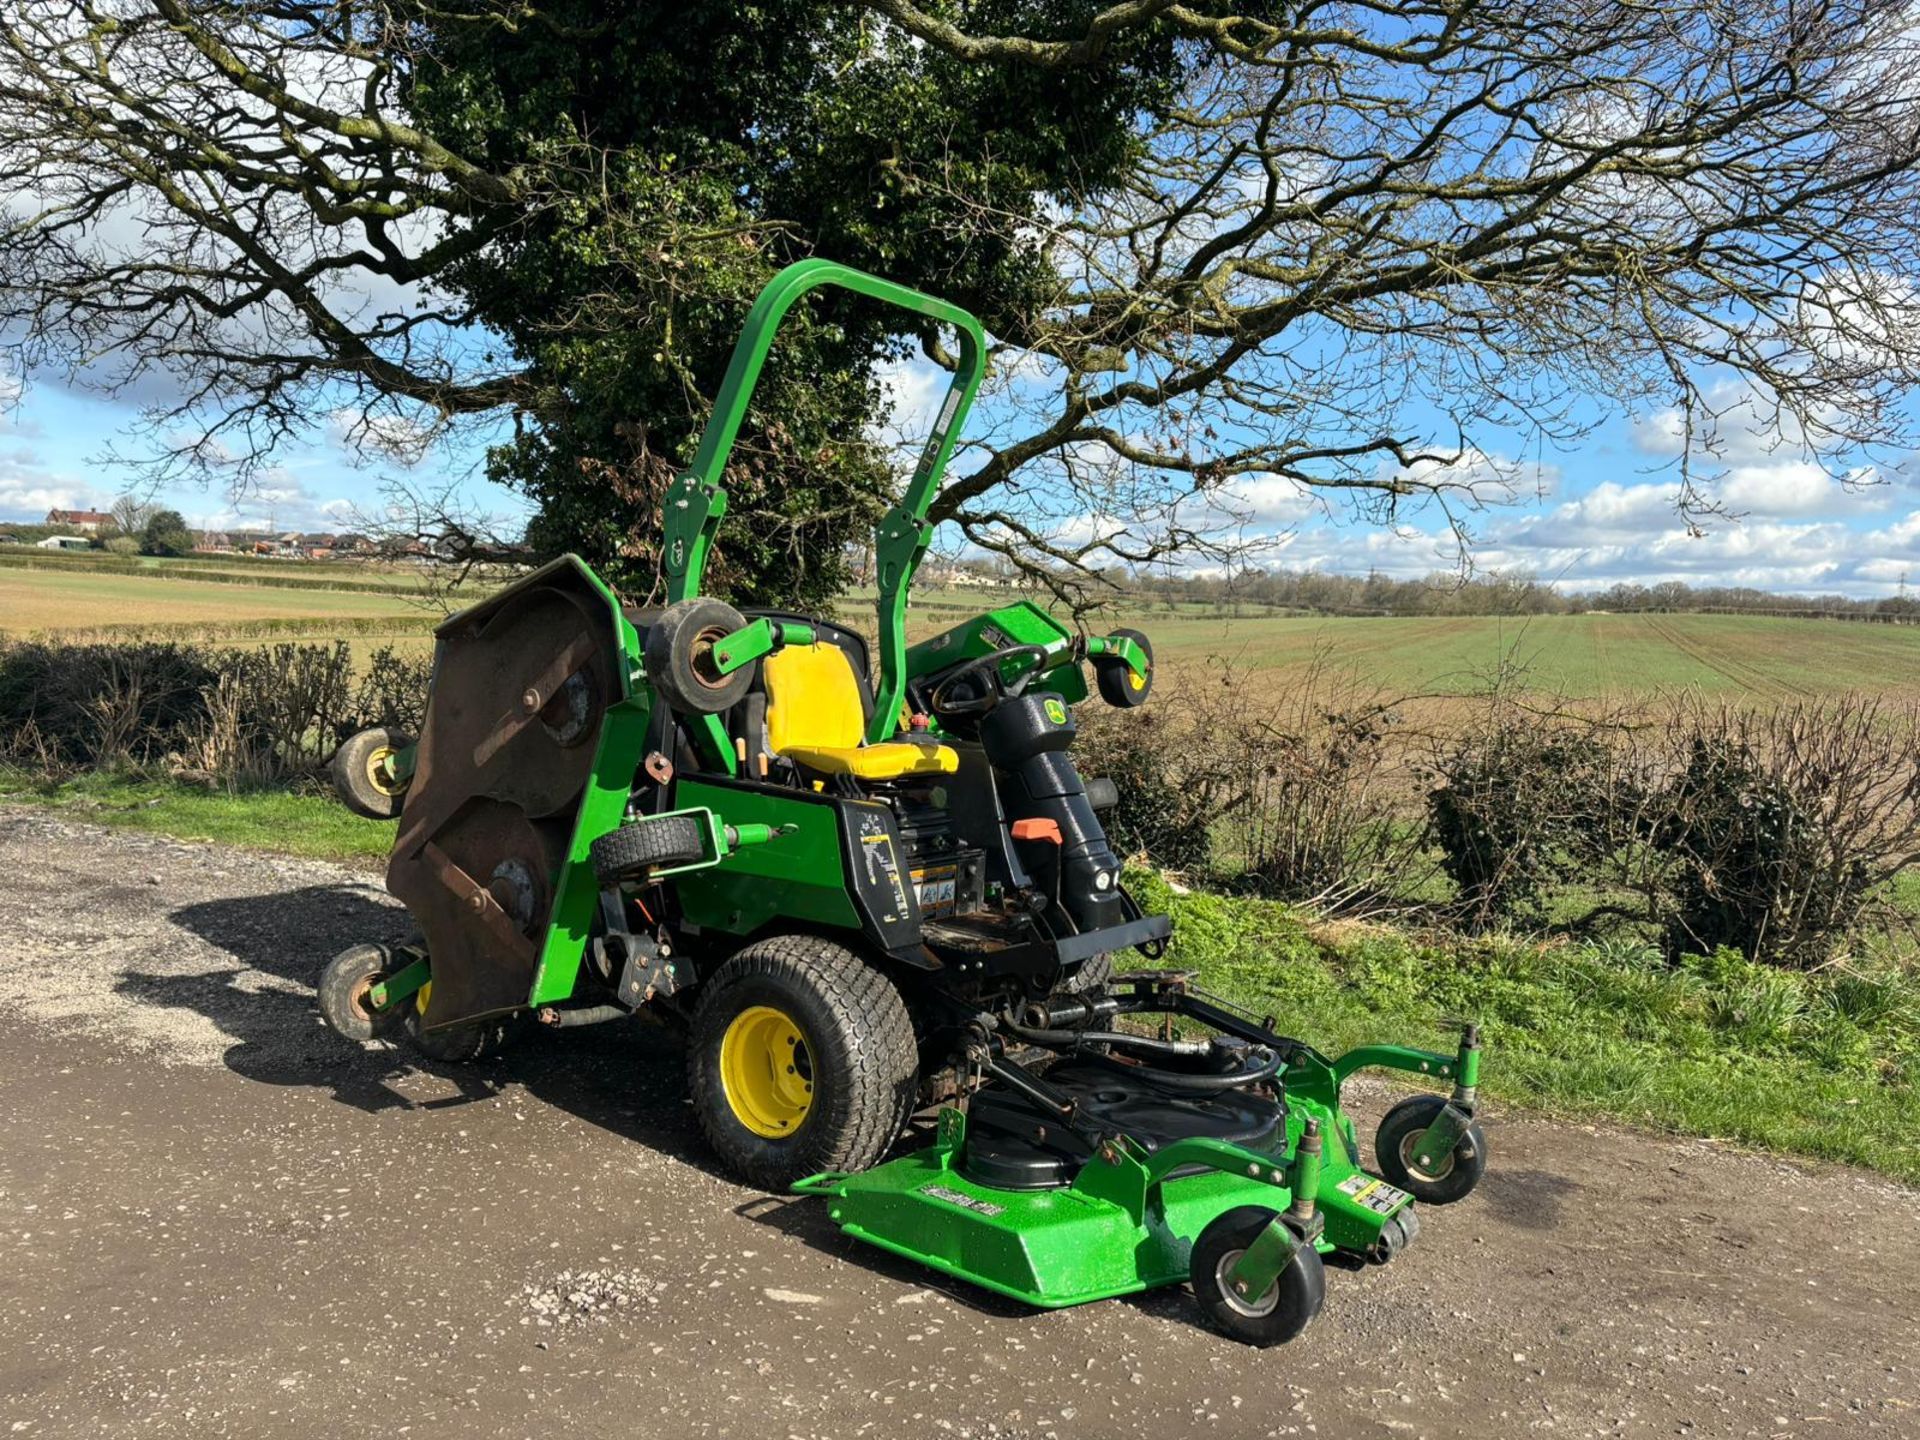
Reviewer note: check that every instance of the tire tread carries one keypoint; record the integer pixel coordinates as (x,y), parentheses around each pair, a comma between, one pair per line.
(872,1038)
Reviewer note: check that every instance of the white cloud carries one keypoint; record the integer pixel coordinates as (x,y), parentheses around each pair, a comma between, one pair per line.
(911,391)
(1798,487)
(1272,499)
(29,488)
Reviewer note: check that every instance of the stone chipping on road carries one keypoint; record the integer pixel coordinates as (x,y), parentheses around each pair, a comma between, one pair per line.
(216,1218)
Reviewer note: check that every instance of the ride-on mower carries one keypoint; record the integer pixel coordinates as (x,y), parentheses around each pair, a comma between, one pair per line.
(861,895)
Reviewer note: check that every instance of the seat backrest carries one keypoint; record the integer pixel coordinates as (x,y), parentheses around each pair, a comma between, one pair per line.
(813,698)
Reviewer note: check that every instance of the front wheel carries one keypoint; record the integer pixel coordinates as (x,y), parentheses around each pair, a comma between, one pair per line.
(801,1059)
(345,992)
(1289,1304)
(1450,1178)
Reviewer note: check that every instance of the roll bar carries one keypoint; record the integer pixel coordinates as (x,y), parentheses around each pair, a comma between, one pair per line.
(697,500)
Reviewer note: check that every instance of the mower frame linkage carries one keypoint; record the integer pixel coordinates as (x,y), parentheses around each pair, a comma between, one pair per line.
(1304,1069)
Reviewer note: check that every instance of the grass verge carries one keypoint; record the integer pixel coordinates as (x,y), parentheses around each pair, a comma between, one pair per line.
(317,826)
(1821,1065)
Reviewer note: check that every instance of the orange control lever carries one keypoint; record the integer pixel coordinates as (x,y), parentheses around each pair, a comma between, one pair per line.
(1038,828)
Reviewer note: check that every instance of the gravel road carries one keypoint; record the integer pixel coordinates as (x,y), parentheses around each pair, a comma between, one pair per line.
(218,1219)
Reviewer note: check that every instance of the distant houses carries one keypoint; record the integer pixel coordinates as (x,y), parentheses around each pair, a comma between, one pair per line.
(283,545)
(89,521)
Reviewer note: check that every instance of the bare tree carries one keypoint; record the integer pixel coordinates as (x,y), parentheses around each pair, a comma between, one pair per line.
(131,510)
(1361,249)
(1367,240)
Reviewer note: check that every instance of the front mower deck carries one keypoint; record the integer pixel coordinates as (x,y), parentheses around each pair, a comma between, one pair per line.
(1127,1223)
(1097,1179)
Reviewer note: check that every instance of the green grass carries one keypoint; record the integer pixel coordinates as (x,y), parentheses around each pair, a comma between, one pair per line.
(317,826)
(1826,1066)
(32,600)
(1584,656)
(1770,659)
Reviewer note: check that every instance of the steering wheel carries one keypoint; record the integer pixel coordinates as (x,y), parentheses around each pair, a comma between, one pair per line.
(997,688)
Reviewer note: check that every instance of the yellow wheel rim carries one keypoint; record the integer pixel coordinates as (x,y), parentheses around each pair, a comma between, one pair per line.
(377,770)
(766,1071)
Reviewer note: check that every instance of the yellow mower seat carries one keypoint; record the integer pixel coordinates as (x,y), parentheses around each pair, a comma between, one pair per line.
(816,720)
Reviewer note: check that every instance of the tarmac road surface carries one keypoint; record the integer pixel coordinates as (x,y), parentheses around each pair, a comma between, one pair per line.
(216,1218)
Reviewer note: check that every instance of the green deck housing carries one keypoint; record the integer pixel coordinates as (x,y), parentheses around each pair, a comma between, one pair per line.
(1126,1223)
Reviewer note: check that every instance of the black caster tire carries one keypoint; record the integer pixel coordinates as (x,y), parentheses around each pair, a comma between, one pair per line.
(343,992)
(1093,977)
(645,843)
(1119,686)
(1400,1132)
(679,652)
(801,1058)
(355,771)
(465,1044)
(1274,1318)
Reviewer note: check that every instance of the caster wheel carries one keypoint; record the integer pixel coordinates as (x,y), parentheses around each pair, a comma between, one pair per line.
(359,773)
(680,659)
(641,844)
(1456,1173)
(343,992)
(1118,684)
(1274,1318)
(465,1044)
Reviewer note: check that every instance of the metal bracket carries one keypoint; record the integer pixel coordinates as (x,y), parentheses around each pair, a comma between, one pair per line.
(1439,1138)
(401,985)
(646,973)
(1262,1262)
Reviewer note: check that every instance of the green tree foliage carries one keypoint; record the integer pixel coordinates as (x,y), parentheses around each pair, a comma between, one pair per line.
(782,127)
(166,533)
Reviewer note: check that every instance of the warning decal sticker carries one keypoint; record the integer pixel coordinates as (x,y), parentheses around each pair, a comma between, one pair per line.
(1375,1195)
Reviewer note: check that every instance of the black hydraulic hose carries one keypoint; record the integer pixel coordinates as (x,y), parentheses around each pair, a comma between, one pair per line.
(1076,1039)
(1202,1084)
(591,1015)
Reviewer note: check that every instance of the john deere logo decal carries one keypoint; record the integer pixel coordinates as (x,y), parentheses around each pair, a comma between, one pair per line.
(1056,712)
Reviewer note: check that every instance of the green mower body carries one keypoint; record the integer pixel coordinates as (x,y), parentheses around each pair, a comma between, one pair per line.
(868,880)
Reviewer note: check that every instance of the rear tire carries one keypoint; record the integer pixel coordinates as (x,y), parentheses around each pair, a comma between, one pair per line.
(801,1059)
(1093,977)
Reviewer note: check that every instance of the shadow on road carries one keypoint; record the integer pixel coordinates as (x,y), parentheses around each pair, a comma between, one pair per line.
(623,1077)
(1530,1199)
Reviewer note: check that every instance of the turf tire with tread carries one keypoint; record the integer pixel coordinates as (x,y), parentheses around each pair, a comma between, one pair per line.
(860,1041)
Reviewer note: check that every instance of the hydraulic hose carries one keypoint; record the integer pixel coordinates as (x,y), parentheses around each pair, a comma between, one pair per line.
(1077,1039)
(590,1015)
(1205,1084)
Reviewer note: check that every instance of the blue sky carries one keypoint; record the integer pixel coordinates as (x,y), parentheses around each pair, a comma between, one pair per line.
(1582,518)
